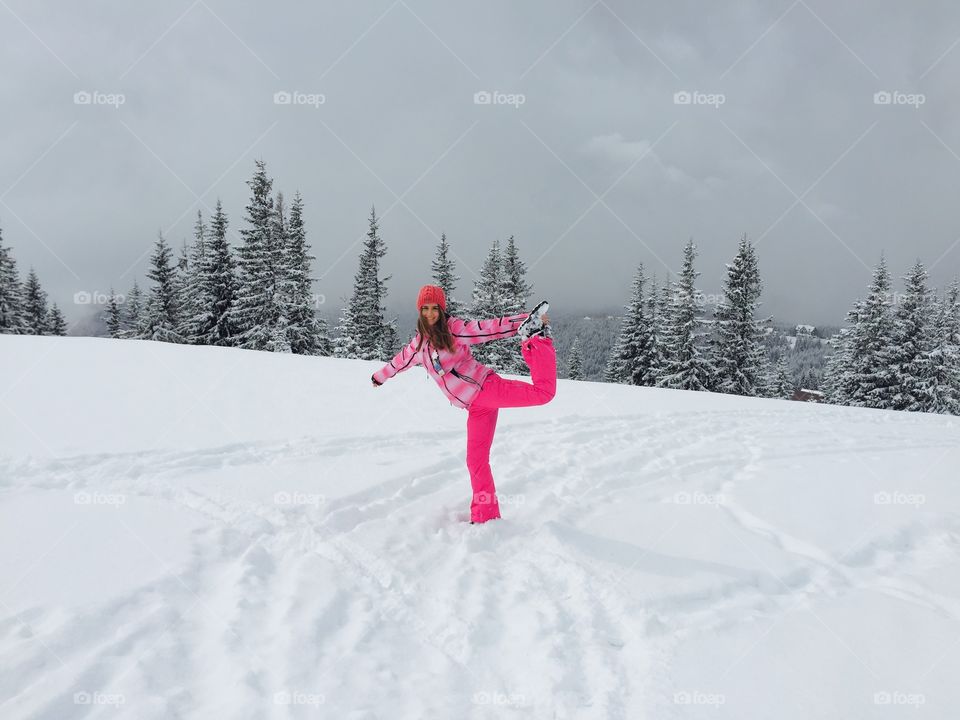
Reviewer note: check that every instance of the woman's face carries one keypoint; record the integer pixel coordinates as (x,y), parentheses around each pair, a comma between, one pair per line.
(430,313)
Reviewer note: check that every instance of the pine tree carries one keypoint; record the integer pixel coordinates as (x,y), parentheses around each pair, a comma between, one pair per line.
(858,373)
(630,360)
(307,332)
(55,321)
(944,356)
(657,305)
(489,301)
(113,316)
(12,321)
(220,279)
(255,312)
(783,386)
(688,365)
(346,344)
(908,355)
(161,321)
(133,313)
(196,316)
(363,332)
(444,275)
(575,361)
(516,294)
(283,291)
(35,305)
(738,352)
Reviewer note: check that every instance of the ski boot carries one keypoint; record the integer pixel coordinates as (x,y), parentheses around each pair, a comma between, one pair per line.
(534,324)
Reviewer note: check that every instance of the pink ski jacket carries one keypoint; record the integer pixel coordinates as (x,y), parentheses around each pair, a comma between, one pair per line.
(462,375)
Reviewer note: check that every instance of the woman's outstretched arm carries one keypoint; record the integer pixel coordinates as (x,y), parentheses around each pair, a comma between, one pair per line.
(473,332)
(406,358)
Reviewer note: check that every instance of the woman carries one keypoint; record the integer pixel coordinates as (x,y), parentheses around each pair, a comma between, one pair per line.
(442,346)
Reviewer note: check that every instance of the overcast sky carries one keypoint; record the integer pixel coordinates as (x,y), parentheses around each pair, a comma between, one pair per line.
(599,168)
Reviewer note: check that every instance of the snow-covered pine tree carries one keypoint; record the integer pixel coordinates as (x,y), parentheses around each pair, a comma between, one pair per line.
(908,354)
(860,372)
(687,360)
(630,358)
(657,304)
(307,331)
(951,340)
(488,301)
(363,333)
(161,322)
(444,275)
(279,320)
(12,320)
(575,361)
(133,313)
(944,357)
(113,316)
(837,377)
(345,344)
(195,302)
(35,305)
(255,313)
(783,385)
(516,296)
(55,321)
(738,352)
(220,277)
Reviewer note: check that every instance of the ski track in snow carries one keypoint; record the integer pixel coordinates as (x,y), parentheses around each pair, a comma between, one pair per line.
(405,566)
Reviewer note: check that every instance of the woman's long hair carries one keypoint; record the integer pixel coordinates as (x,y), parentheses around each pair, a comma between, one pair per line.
(437,334)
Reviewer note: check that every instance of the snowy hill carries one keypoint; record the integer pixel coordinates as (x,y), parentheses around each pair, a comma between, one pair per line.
(213,533)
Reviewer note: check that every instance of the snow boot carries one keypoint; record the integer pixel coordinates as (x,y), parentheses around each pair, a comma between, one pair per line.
(533,325)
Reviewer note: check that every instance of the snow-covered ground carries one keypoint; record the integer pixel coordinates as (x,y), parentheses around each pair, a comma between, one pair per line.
(213,533)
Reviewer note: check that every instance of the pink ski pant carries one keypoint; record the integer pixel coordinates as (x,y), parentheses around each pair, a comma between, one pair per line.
(541,358)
